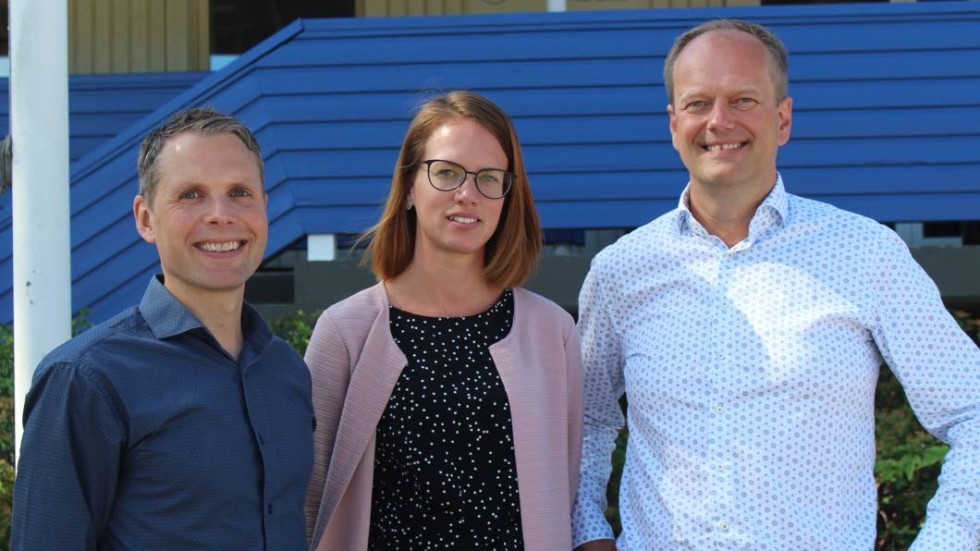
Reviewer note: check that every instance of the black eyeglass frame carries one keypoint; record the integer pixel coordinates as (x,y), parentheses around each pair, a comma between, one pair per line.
(508,177)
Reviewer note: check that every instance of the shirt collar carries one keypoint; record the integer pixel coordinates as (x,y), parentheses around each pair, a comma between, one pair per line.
(776,203)
(165,315)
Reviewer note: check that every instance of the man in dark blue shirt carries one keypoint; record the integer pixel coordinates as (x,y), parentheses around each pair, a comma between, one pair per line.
(182,423)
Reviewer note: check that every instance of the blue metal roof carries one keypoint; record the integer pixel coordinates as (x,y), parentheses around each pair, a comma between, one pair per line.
(102,106)
(887,104)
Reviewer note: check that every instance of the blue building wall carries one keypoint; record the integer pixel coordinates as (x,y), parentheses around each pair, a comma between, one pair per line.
(102,106)
(887,105)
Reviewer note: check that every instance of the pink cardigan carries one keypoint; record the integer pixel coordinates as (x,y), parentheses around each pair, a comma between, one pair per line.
(355,364)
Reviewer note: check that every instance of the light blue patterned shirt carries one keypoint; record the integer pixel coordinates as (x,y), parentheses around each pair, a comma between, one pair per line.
(750,374)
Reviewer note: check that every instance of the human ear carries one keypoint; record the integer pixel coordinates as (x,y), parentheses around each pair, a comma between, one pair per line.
(144,222)
(785,112)
(673,125)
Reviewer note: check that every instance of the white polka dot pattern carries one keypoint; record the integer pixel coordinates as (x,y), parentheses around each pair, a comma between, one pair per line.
(444,475)
(750,376)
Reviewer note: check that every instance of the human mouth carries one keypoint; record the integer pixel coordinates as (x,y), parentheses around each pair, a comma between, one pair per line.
(463,219)
(220,247)
(723,146)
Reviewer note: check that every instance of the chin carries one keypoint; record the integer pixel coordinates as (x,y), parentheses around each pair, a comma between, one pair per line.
(224,284)
(464,248)
(719,177)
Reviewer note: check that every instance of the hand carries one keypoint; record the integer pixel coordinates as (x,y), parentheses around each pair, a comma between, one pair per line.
(597,545)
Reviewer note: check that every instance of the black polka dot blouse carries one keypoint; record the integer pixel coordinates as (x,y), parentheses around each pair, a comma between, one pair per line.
(444,470)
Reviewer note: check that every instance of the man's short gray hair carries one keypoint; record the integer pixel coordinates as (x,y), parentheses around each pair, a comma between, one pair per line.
(777,51)
(205,120)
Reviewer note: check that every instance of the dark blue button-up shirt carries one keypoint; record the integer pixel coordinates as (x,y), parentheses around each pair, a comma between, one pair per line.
(143,434)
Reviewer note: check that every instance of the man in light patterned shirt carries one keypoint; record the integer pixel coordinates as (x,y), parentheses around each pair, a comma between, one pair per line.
(747,328)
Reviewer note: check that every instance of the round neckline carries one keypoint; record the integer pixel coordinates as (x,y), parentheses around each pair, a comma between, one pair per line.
(501,299)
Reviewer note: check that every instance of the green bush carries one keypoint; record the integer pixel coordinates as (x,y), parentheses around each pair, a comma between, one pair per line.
(907,467)
(296,329)
(6,433)
(909,458)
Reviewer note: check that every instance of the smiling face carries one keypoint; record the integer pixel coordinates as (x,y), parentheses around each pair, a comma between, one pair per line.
(462,221)
(207,215)
(726,120)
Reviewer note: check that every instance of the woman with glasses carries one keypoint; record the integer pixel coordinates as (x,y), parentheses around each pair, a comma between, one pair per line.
(448,399)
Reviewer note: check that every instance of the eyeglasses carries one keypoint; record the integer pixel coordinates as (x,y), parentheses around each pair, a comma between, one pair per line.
(492,183)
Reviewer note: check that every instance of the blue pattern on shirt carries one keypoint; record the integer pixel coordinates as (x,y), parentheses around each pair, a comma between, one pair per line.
(750,374)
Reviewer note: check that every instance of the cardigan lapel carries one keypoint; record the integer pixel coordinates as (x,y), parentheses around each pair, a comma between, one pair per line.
(373,378)
(537,405)
(520,392)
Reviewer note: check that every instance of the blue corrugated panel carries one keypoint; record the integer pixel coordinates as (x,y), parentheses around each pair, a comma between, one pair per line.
(102,106)
(887,104)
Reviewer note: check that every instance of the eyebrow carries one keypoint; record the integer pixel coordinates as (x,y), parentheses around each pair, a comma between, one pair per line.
(699,93)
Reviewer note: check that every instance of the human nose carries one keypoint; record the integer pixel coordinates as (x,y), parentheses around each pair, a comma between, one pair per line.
(220,211)
(467,192)
(720,116)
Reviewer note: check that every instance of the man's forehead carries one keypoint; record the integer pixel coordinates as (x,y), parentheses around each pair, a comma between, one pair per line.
(720,38)
(697,58)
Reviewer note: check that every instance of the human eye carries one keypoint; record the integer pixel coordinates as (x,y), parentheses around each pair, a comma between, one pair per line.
(446,170)
(240,192)
(490,176)
(696,106)
(745,102)
(190,194)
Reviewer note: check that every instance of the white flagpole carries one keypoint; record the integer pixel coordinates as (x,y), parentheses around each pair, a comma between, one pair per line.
(41,216)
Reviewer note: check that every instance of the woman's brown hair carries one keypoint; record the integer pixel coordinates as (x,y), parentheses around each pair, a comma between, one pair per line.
(512,253)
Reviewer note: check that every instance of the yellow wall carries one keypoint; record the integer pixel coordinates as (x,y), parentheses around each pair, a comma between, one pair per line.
(634,4)
(130,36)
(379,8)
(127,36)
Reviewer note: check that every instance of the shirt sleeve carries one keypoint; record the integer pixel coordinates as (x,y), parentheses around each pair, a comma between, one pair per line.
(602,360)
(69,461)
(939,368)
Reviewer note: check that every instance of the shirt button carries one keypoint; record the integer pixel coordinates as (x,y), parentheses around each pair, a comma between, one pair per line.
(724,527)
(718,409)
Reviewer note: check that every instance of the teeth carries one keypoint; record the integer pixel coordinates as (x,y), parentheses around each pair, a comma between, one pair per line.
(724,147)
(220,247)
(463,220)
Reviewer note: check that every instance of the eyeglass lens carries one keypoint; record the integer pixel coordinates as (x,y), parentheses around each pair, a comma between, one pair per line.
(447,176)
